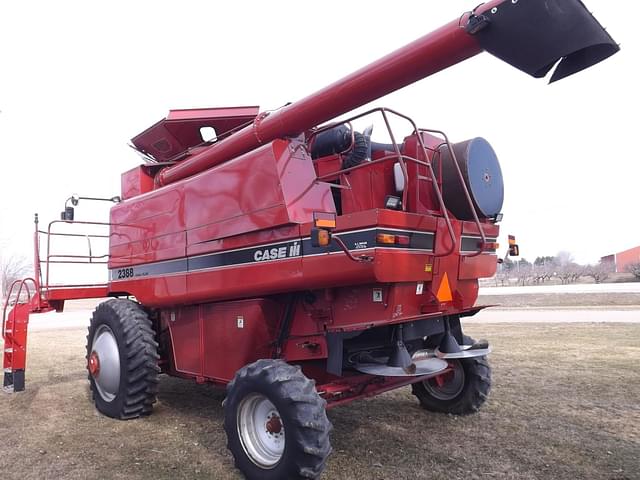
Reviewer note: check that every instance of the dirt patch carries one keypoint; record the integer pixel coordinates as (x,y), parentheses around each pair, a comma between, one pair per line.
(564,406)
(554,300)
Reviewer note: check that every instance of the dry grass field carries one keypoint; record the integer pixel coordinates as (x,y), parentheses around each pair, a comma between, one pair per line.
(565,405)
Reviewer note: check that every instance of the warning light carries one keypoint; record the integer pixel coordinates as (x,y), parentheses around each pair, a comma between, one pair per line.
(324,220)
(385,238)
(320,237)
(403,240)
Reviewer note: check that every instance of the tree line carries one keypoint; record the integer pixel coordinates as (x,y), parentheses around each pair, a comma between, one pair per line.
(561,266)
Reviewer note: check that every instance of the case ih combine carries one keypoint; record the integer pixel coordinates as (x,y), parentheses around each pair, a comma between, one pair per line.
(298,263)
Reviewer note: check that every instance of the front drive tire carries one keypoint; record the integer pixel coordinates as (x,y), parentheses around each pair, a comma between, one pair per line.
(122,359)
(276,423)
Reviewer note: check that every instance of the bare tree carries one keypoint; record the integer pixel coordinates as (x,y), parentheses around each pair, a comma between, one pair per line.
(543,272)
(524,272)
(599,272)
(634,268)
(569,273)
(12,269)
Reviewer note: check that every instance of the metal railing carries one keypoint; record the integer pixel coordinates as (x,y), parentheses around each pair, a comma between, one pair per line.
(10,300)
(436,180)
(50,258)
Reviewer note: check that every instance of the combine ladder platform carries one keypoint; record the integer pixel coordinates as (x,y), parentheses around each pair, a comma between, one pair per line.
(14,331)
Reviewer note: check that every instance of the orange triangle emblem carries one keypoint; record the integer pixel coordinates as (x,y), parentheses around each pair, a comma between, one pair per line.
(444,291)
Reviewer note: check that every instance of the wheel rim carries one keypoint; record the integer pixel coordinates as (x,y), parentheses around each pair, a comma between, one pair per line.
(448,385)
(261,430)
(104,363)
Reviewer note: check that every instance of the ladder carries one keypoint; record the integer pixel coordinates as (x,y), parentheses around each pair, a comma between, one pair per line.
(14,330)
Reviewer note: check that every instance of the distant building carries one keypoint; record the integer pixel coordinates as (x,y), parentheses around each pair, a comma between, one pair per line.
(623,259)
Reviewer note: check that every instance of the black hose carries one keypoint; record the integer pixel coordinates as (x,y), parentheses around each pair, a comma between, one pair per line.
(359,153)
(330,142)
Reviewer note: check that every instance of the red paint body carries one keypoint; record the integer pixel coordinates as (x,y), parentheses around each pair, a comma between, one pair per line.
(205,215)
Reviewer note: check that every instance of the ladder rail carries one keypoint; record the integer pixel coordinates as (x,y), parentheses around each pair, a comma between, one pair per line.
(23,283)
(467,195)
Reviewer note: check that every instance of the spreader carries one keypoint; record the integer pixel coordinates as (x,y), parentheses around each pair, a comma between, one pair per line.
(288,257)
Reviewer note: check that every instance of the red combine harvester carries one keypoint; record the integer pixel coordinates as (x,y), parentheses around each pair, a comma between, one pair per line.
(299,263)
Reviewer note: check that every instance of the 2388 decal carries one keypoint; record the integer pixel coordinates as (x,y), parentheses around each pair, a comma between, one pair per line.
(125,273)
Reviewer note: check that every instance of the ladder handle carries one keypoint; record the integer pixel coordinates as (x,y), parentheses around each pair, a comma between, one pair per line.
(23,283)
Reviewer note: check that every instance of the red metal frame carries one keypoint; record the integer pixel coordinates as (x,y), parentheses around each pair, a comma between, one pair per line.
(356,387)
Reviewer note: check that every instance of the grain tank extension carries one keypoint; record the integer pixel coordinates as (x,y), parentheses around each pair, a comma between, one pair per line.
(296,262)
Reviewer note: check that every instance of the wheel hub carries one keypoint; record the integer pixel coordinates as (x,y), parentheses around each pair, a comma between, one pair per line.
(94,364)
(274,424)
(448,385)
(261,431)
(104,363)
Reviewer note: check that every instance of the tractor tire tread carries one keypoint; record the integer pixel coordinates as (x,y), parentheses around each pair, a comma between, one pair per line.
(301,407)
(139,385)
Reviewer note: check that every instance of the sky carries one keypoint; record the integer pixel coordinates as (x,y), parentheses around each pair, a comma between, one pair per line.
(78,79)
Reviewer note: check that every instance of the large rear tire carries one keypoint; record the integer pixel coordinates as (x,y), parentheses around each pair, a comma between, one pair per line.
(122,359)
(461,391)
(276,423)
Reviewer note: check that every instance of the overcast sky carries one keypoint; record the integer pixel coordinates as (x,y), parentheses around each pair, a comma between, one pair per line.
(79,79)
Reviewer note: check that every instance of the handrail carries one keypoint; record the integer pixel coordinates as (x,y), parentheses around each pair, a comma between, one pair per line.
(70,258)
(454,160)
(436,187)
(401,160)
(436,180)
(23,283)
(53,234)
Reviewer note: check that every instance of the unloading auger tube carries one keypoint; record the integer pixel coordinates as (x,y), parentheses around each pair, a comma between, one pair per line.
(531,35)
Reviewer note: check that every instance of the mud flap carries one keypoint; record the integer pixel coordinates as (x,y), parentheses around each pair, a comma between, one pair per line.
(534,35)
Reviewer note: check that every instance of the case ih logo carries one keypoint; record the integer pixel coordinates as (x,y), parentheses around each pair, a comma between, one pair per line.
(277,252)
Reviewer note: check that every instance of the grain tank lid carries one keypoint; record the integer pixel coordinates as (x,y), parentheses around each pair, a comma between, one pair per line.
(183,129)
